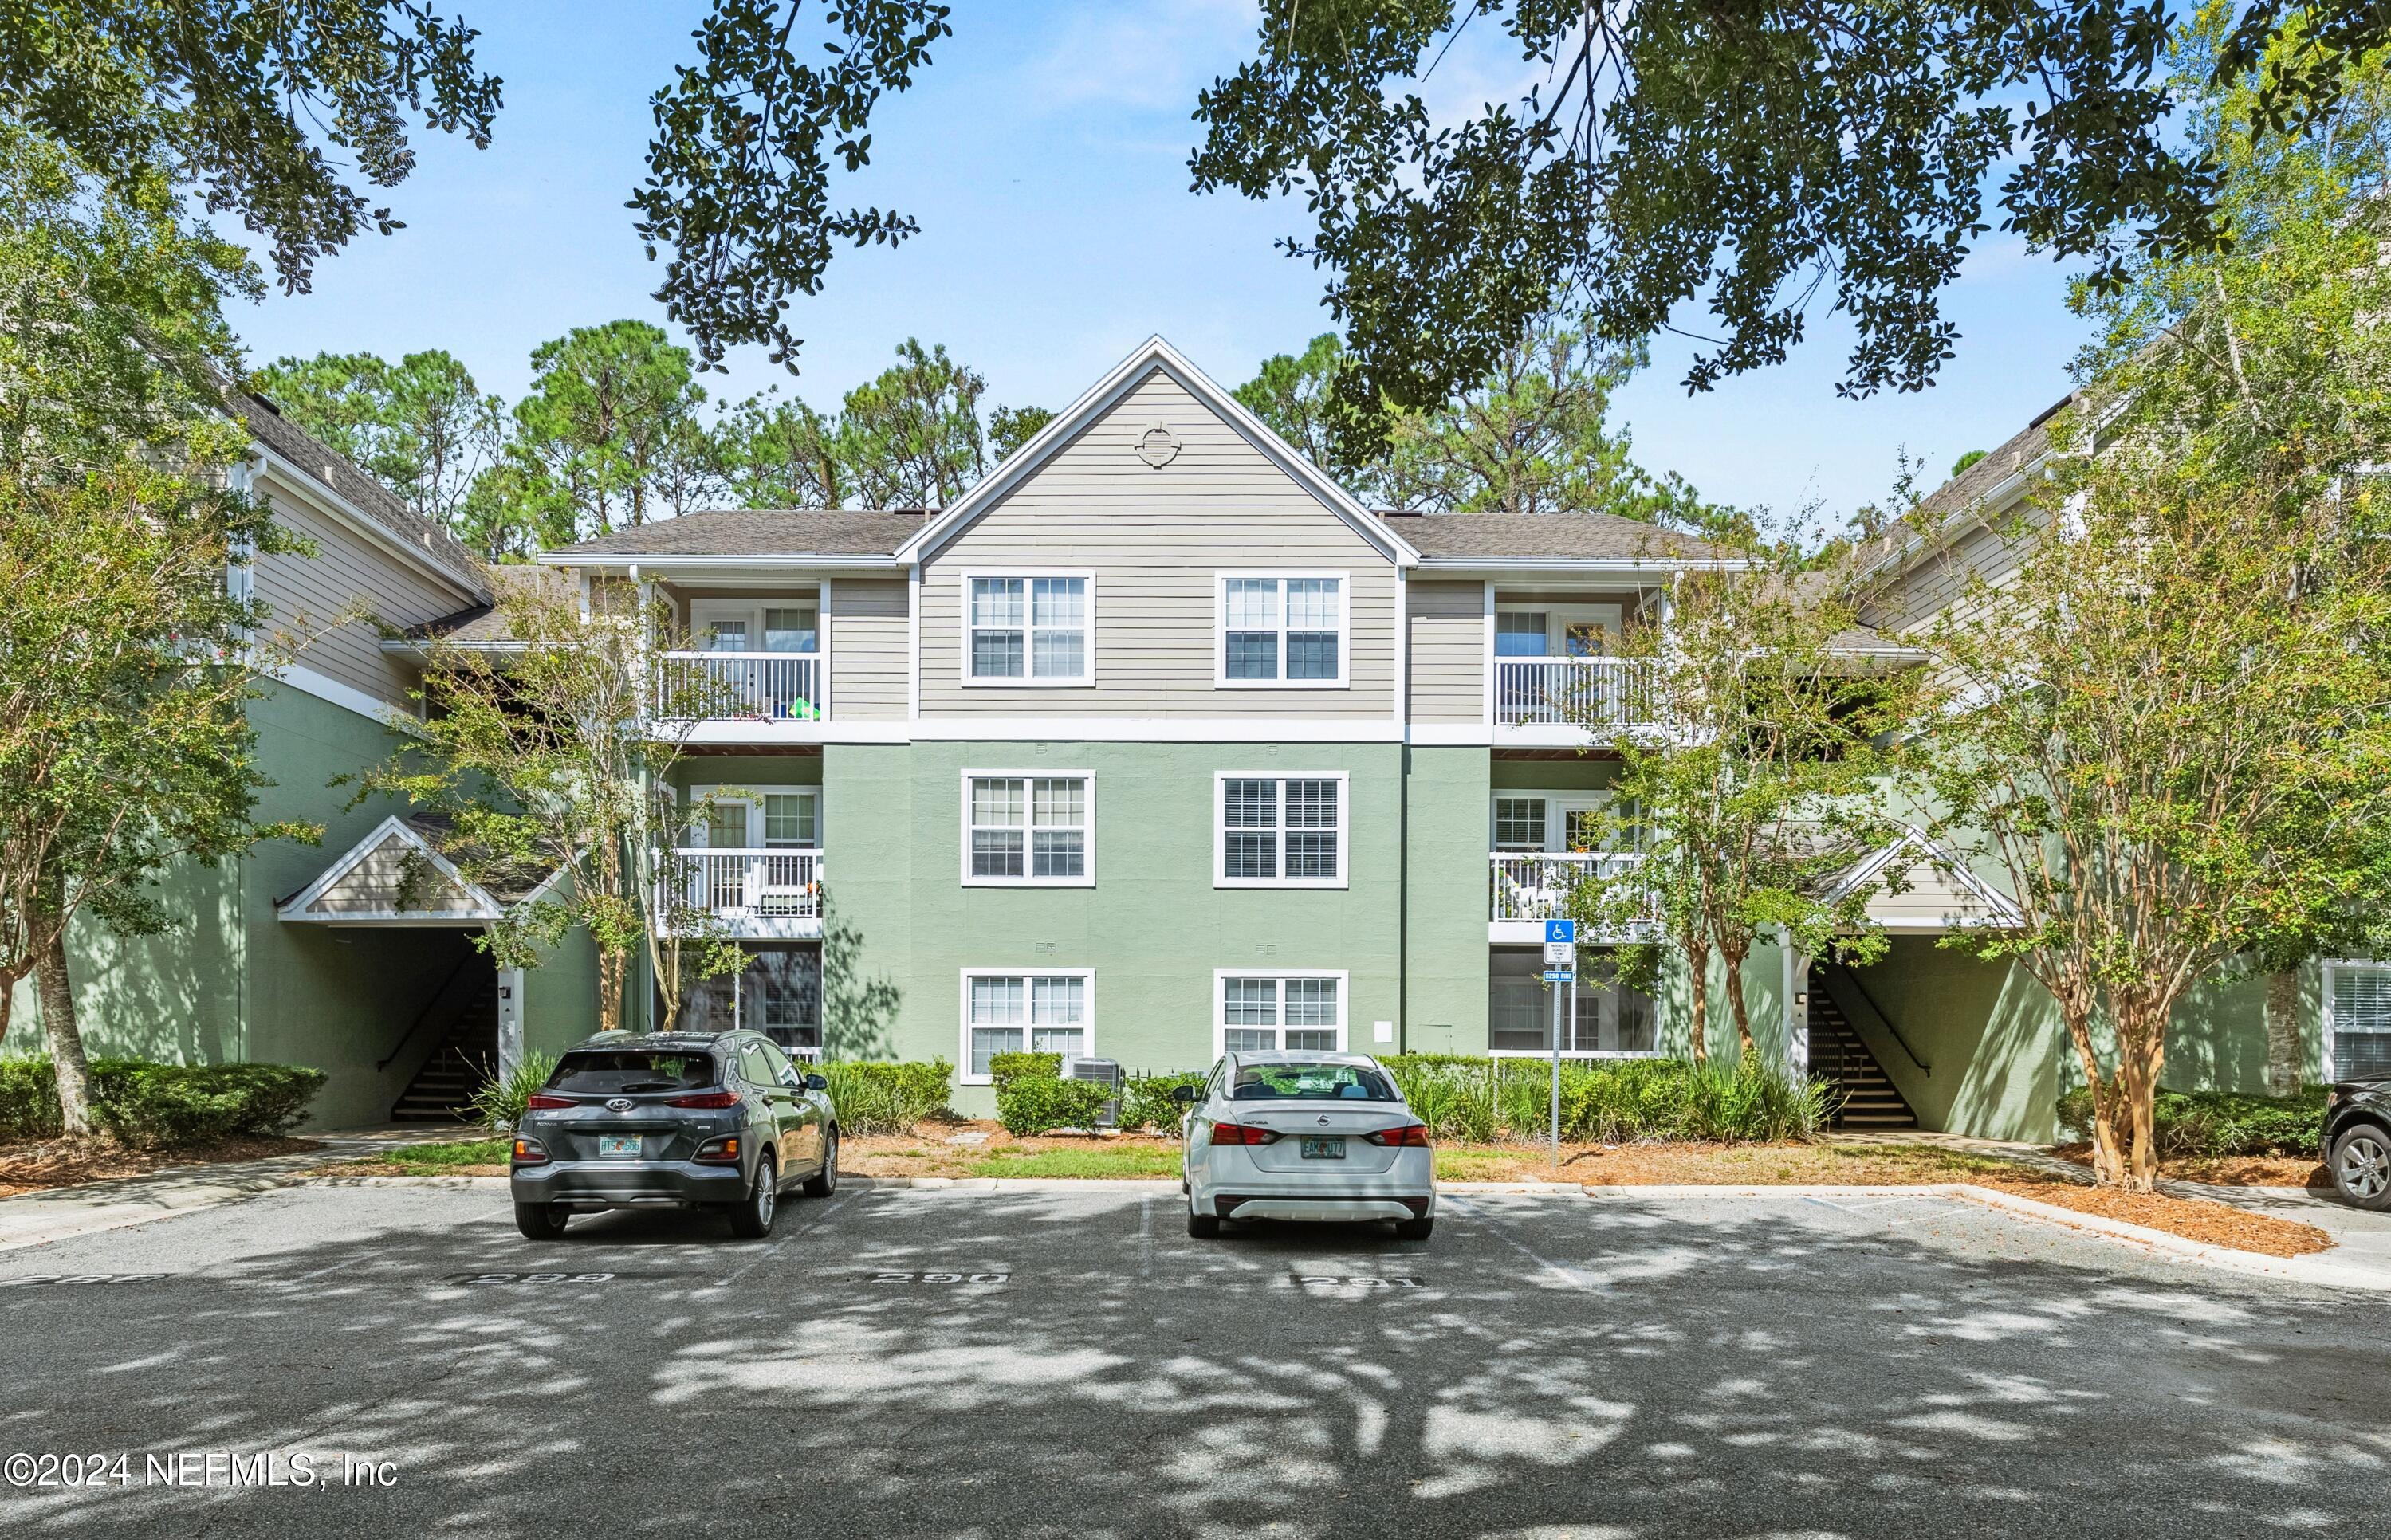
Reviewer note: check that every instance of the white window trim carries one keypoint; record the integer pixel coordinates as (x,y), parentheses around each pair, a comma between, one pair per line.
(754,800)
(751,609)
(962,1011)
(1221,978)
(1087,675)
(2328,1070)
(1558,806)
(1221,680)
(1221,877)
(1087,804)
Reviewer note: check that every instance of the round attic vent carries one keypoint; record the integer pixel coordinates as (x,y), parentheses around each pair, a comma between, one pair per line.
(1156,448)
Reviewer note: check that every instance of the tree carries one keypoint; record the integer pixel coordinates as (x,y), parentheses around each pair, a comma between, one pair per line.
(1295,394)
(1010,427)
(610,434)
(273,113)
(2172,733)
(912,435)
(558,754)
(420,425)
(1757,767)
(1750,158)
(783,454)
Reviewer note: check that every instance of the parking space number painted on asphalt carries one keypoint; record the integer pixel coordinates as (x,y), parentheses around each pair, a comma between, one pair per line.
(941,1277)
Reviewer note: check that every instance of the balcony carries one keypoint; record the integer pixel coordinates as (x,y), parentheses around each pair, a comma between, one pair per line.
(753,894)
(742,687)
(1530,887)
(1568,696)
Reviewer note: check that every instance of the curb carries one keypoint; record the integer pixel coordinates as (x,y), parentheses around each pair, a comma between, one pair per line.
(2311,1269)
(464,1181)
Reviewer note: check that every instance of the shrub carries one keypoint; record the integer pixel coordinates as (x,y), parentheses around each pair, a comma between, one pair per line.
(499,1103)
(1009,1067)
(874,1097)
(2210,1123)
(151,1105)
(1467,1100)
(1041,1104)
(1145,1101)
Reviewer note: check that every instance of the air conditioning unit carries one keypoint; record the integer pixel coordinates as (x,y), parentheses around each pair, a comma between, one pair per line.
(1104,1072)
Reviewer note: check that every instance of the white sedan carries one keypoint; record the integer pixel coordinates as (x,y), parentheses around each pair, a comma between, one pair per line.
(1309,1136)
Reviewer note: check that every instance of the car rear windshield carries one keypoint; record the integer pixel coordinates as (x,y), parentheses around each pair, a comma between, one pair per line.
(1311,1082)
(614,1071)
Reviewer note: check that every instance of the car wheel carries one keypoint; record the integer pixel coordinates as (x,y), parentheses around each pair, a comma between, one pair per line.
(2362,1167)
(540,1221)
(1415,1229)
(1203,1226)
(752,1218)
(825,1181)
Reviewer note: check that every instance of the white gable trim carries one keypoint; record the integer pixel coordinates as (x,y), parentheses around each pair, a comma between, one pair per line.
(486,908)
(1152,356)
(2001,911)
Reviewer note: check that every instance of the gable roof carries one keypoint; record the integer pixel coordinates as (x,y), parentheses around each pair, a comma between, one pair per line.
(300,452)
(781,532)
(1982,903)
(1529,537)
(1152,357)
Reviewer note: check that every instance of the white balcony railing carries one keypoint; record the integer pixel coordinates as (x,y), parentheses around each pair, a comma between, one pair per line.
(747,889)
(772,687)
(1573,692)
(1535,885)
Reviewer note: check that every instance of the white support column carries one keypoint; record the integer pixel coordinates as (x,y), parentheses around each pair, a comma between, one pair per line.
(511,1019)
(1797,1010)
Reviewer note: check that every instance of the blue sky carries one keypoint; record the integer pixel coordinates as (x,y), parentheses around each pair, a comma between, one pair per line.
(1044,153)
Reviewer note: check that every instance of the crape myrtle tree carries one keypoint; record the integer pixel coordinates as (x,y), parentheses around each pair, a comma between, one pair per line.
(1759,765)
(2172,731)
(556,755)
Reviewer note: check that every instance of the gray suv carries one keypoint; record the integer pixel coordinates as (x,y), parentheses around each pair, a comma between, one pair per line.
(679,1120)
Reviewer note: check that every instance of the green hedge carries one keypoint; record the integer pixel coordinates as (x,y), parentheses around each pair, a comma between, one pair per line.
(875,1096)
(1028,1104)
(154,1105)
(1145,1102)
(2200,1123)
(1467,1100)
(1011,1066)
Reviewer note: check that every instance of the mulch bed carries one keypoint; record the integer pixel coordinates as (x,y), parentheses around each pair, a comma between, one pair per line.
(930,1152)
(39,1165)
(2229,1171)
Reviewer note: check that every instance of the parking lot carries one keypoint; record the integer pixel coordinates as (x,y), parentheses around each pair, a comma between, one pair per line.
(902,1361)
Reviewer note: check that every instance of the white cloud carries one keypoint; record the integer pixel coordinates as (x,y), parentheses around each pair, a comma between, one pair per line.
(1153,55)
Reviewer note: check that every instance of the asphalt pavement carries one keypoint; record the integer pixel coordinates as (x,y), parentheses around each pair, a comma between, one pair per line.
(909,1361)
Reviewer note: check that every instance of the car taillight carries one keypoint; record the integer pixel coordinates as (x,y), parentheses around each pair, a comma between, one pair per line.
(1242,1134)
(723,1151)
(530,1152)
(1414,1136)
(714,1099)
(541,1100)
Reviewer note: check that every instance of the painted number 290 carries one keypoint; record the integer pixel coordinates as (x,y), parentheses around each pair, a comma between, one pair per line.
(941,1277)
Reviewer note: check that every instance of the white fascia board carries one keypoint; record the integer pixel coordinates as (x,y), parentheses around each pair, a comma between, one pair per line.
(1153,353)
(312,490)
(1640,566)
(729,563)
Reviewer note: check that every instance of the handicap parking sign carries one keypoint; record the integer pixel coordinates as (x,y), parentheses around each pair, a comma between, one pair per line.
(1560,933)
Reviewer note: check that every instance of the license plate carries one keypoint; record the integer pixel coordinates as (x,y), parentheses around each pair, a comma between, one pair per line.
(619,1145)
(1323,1149)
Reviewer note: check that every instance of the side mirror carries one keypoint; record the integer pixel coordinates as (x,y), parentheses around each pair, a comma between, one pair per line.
(817,1082)
(1184,1094)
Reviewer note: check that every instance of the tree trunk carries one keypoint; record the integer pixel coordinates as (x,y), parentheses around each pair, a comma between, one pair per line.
(66,1040)
(612,967)
(2286,1056)
(1739,1009)
(1699,967)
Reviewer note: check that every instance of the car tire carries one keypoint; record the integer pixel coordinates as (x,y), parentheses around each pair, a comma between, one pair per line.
(2362,1167)
(825,1181)
(540,1221)
(1415,1229)
(751,1220)
(1203,1226)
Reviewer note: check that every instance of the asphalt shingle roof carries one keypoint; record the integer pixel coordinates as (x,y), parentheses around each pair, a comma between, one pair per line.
(1561,537)
(486,623)
(761,532)
(324,465)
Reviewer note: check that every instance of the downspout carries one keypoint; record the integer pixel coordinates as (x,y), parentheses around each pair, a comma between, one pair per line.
(1404,895)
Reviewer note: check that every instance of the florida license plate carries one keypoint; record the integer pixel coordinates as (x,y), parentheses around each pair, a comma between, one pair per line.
(1323,1149)
(619,1145)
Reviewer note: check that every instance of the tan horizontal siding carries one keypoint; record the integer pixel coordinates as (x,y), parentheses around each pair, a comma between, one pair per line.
(1448,651)
(347,572)
(867,639)
(1932,896)
(1154,540)
(374,885)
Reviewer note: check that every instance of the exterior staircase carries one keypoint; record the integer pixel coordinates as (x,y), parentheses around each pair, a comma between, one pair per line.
(457,1067)
(1866,1097)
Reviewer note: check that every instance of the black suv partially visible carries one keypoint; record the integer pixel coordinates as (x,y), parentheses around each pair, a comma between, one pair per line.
(2358,1141)
(705,1121)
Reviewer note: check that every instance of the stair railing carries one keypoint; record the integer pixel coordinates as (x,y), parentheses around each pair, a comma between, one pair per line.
(1876,1016)
(441,996)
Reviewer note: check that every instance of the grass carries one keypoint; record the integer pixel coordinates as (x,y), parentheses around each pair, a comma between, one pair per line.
(453,1157)
(1101,1161)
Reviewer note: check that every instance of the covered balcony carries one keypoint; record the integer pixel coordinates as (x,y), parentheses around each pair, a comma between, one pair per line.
(752,669)
(1559,679)
(1530,887)
(752,894)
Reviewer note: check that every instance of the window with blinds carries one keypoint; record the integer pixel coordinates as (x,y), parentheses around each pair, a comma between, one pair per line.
(2358,1019)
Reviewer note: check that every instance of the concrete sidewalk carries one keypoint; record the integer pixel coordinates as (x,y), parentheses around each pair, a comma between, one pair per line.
(37,1218)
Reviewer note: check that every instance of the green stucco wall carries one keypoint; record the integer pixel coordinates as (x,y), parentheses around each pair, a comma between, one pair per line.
(1446,902)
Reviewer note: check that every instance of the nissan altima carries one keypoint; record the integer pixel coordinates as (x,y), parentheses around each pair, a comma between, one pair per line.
(1305,1136)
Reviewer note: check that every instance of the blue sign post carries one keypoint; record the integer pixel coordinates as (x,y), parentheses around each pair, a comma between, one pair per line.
(1560,967)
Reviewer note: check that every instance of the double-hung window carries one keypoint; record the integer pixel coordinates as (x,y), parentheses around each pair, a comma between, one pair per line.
(1030,628)
(1270,1013)
(2358,1020)
(1282,630)
(1030,828)
(1053,1011)
(1280,831)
